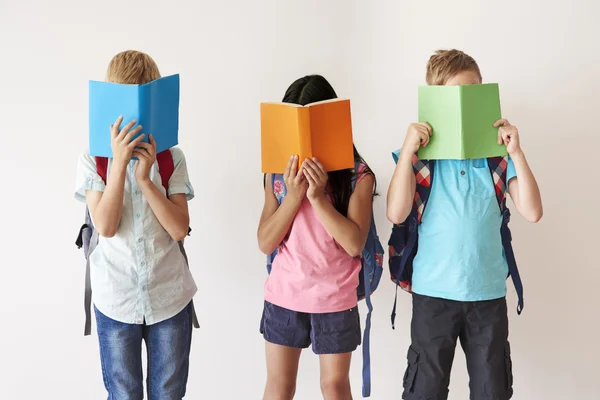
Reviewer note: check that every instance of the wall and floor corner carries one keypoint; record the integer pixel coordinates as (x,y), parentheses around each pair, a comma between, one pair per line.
(232,55)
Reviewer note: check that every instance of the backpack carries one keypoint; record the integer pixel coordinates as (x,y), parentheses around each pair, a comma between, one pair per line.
(403,243)
(88,236)
(369,277)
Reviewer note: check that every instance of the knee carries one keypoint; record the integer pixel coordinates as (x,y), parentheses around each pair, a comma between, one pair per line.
(280,389)
(336,388)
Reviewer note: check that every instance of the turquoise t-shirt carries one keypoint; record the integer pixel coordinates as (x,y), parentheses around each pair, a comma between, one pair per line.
(460,255)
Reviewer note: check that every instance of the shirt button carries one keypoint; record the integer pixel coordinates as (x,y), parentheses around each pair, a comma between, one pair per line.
(137,215)
(143,288)
(140,240)
(137,192)
(143,263)
(462,172)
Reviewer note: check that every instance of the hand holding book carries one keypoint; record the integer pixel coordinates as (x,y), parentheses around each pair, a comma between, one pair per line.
(122,141)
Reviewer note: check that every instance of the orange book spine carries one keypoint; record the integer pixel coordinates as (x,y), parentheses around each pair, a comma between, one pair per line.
(304,140)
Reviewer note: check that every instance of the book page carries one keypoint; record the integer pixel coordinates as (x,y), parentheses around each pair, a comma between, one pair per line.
(279,136)
(439,106)
(481,109)
(160,108)
(331,134)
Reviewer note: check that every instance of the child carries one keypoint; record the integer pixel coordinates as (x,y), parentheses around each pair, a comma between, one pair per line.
(320,230)
(460,270)
(141,282)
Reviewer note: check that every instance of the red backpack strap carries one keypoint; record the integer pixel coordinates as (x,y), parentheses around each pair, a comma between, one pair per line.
(423,170)
(166,166)
(102,168)
(498,167)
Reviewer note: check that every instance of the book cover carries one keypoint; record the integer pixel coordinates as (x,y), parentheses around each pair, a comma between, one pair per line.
(462,120)
(154,105)
(322,130)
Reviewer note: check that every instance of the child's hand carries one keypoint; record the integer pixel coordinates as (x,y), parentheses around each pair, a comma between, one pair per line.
(146,155)
(509,135)
(120,141)
(295,180)
(417,135)
(317,179)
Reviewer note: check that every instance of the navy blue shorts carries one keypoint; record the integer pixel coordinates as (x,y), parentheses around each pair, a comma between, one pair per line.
(329,333)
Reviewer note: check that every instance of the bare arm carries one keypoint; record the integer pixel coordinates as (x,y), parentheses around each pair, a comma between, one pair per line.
(401,192)
(402,189)
(106,207)
(171,212)
(524,190)
(276,220)
(351,232)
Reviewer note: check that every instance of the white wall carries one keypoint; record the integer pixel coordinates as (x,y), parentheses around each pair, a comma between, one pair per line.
(231,55)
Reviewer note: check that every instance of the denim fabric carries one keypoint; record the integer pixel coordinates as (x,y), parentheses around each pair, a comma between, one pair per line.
(329,333)
(168,347)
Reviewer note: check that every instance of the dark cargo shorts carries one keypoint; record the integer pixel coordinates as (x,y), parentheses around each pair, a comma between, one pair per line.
(329,333)
(482,328)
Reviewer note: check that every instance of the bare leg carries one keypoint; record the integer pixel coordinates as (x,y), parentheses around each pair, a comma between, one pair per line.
(335,380)
(282,370)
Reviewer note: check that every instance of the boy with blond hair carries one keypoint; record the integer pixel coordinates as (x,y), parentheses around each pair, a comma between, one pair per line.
(460,267)
(142,285)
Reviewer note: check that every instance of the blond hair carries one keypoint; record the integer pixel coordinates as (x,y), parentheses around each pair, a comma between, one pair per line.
(445,64)
(133,68)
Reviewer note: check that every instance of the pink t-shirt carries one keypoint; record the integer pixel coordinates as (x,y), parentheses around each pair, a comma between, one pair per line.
(312,273)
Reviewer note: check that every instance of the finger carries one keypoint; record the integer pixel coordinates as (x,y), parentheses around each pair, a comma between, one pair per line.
(114,128)
(500,135)
(140,155)
(311,180)
(288,168)
(300,177)
(136,142)
(310,172)
(127,128)
(424,138)
(152,141)
(132,133)
(146,146)
(501,122)
(294,167)
(320,168)
(427,127)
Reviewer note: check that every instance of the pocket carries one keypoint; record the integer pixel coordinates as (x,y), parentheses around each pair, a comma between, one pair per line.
(411,370)
(342,321)
(275,315)
(482,185)
(508,366)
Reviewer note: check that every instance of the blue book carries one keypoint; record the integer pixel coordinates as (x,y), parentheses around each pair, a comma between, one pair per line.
(154,105)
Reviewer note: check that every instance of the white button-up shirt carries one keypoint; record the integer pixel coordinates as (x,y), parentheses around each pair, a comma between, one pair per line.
(139,275)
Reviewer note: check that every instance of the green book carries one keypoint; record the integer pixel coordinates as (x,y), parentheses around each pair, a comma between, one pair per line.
(462,119)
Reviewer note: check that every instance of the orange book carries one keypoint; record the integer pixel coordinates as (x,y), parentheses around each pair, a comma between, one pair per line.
(322,130)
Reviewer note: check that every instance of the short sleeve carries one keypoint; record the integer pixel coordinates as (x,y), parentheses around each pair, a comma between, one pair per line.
(511,172)
(180,180)
(87,177)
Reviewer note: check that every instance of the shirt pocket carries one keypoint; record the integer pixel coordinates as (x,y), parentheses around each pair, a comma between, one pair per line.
(482,185)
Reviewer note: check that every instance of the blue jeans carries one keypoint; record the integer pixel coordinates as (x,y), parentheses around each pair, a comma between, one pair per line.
(168,346)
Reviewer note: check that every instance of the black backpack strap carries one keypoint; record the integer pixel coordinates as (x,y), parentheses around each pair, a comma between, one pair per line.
(87,295)
(498,167)
(194,316)
(424,171)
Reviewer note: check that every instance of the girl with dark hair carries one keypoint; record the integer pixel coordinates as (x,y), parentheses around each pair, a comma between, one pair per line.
(320,230)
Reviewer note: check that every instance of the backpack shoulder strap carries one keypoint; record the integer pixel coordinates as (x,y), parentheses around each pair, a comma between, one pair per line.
(278,187)
(102,167)
(423,170)
(166,167)
(498,167)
